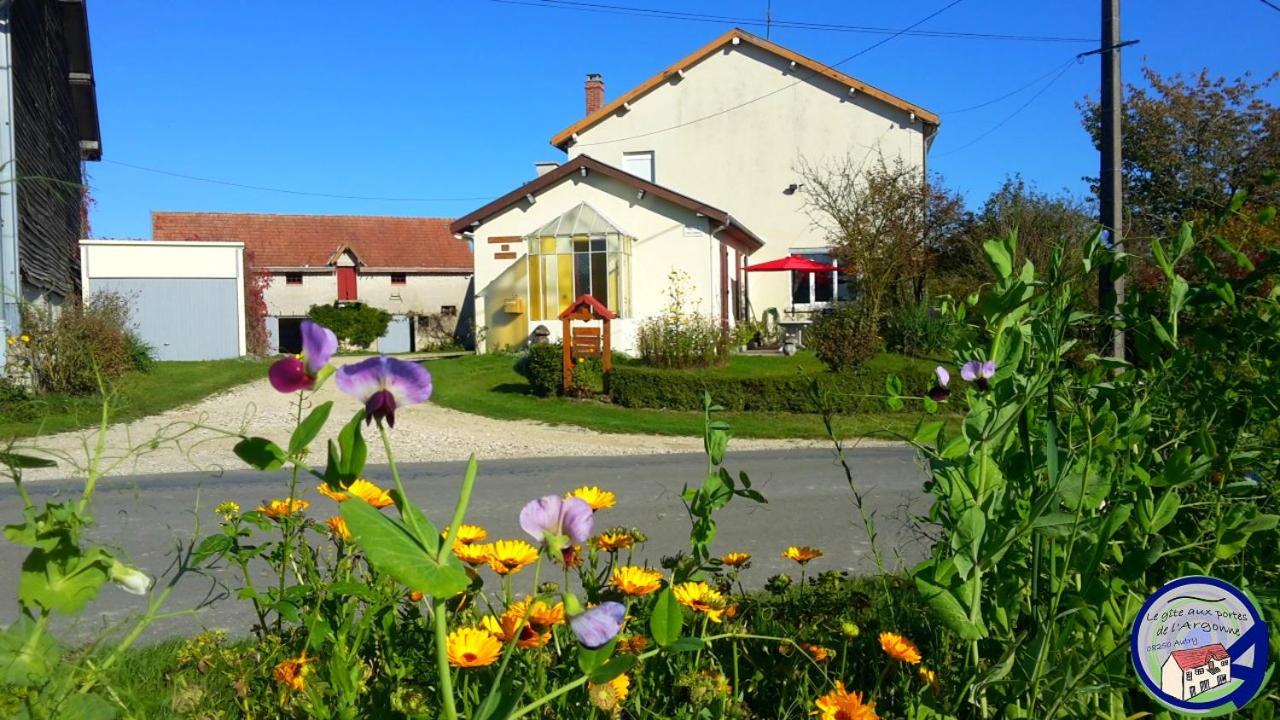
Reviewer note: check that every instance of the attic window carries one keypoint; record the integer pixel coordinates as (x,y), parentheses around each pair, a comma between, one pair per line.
(293,278)
(397,278)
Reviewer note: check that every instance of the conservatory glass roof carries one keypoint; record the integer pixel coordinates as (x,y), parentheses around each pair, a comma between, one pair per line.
(580,220)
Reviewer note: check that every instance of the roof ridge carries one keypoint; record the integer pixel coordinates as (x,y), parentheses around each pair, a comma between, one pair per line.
(155,213)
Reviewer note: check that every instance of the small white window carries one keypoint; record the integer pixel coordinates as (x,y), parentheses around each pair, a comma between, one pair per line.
(639,164)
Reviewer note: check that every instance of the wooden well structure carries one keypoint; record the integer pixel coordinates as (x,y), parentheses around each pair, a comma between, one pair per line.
(586,341)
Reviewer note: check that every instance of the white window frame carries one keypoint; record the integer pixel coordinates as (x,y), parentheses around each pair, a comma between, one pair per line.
(813,303)
(640,155)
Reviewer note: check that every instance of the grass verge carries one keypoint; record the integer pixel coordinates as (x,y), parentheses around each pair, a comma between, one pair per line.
(133,396)
(488,385)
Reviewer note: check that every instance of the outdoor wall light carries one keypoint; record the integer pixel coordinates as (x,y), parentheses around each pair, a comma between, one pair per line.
(792,188)
(640,195)
(530,198)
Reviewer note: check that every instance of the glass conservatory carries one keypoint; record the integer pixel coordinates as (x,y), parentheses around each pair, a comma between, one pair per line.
(578,253)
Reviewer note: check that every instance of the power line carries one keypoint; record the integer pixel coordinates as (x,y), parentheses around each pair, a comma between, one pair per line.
(1271,5)
(788,86)
(1009,94)
(1011,115)
(286,191)
(663,14)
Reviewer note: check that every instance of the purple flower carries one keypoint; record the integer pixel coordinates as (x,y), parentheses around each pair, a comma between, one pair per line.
(298,372)
(383,384)
(978,373)
(598,625)
(558,522)
(940,392)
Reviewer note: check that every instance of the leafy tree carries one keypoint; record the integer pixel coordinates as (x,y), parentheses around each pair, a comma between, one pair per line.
(1189,145)
(883,221)
(355,325)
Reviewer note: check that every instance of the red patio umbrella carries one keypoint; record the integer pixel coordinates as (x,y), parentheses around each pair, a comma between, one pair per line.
(792,262)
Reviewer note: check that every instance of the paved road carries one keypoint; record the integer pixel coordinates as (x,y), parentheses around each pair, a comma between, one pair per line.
(809,503)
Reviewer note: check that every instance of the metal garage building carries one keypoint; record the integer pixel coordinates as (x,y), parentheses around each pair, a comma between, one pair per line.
(186,299)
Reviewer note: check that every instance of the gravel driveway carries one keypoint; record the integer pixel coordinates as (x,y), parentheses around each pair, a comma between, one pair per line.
(180,439)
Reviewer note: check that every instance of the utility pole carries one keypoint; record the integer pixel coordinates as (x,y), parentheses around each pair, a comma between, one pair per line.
(1111,202)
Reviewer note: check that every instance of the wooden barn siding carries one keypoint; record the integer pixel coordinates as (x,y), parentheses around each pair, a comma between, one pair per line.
(50,199)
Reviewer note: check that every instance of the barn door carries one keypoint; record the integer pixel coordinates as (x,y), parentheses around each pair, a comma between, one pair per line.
(346,283)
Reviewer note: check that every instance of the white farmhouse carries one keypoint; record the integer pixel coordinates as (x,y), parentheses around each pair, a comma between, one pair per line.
(693,170)
(1187,673)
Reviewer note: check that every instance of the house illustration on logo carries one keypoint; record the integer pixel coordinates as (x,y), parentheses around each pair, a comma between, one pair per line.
(1187,673)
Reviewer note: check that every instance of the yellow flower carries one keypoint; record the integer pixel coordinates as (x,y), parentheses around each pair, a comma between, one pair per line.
(472,555)
(277,509)
(292,673)
(899,648)
(701,597)
(472,647)
(511,556)
(228,510)
(736,559)
(840,704)
(928,677)
(817,652)
(595,497)
(801,553)
(362,489)
(636,581)
(338,528)
(544,616)
(468,534)
(529,626)
(613,541)
(26,338)
(609,695)
(12,341)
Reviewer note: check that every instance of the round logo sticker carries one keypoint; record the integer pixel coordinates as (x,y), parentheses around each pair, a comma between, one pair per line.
(1200,646)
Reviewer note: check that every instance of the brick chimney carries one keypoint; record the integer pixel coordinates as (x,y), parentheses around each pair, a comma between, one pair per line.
(595,92)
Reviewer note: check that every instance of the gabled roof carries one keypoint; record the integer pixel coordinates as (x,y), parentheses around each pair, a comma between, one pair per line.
(562,138)
(1188,659)
(738,235)
(589,303)
(582,219)
(300,241)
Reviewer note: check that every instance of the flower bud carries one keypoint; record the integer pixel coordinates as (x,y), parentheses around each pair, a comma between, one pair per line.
(572,605)
(130,579)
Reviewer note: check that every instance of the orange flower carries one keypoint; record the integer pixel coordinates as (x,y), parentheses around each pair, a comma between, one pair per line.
(513,624)
(468,534)
(595,497)
(613,541)
(292,673)
(473,555)
(636,581)
(701,597)
(472,647)
(415,596)
(899,648)
(511,556)
(278,509)
(817,652)
(362,489)
(633,645)
(338,528)
(840,704)
(802,553)
(736,559)
(544,616)
(572,557)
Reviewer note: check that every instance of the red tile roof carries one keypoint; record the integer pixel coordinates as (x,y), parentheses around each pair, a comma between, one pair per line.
(1187,659)
(295,241)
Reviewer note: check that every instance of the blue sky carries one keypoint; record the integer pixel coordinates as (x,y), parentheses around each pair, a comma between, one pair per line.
(450,102)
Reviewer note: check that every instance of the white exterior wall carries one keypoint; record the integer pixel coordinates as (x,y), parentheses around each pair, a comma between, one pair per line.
(420,294)
(660,246)
(742,160)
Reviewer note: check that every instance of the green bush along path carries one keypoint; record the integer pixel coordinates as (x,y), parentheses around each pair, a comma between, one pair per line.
(489,385)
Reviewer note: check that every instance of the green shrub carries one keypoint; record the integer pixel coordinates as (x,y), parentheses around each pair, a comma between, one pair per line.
(543,367)
(918,330)
(588,377)
(642,387)
(845,337)
(141,354)
(355,325)
(69,349)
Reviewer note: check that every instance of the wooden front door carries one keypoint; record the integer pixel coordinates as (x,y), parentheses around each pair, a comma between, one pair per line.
(347,283)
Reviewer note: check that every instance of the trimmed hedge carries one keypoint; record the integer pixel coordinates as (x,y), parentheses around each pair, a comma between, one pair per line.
(643,387)
(543,367)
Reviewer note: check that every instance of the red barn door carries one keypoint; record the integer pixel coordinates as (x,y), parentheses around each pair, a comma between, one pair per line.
(346,283)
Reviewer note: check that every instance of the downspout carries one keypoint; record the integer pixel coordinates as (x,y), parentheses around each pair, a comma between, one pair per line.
(10,285)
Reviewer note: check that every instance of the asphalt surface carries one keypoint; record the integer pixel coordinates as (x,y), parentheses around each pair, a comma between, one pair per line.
(145,518)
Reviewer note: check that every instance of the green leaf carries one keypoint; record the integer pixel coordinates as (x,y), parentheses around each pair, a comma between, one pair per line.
(500,702)
(211,546)
(1181,469)
(612,669)
(22,662)
(589,660)
(969,529)
(353,449)
(260,453)
(999,256)
(927,432)
(958,447)
(687,644)
(23,462)
(309,428)
(392,549)
(667,619)
(430,533)
(63,579)
(948,609)
(1165,510)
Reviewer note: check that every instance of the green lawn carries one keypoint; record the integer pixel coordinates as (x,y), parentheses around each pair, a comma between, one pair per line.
(488,385)
(135,395)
